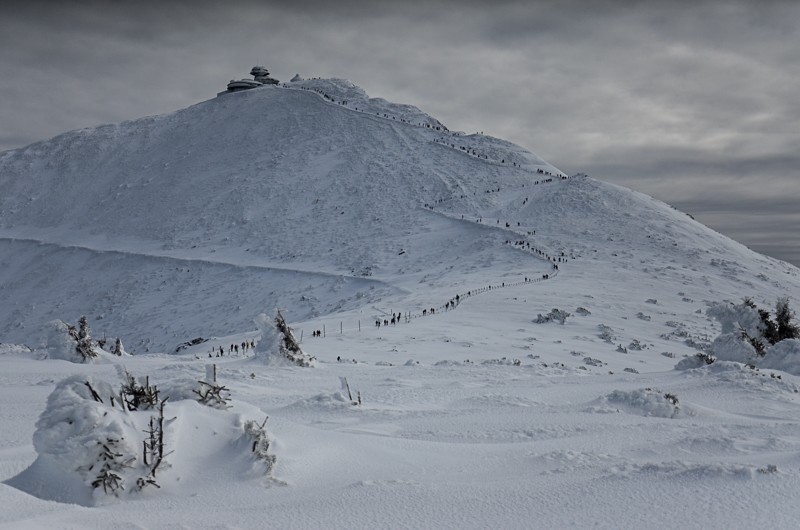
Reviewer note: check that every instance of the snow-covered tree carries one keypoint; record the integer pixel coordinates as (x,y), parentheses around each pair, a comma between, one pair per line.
(783,321)
(85,346)
(97,440)
(119,349)
(277,340)
(69,343)
(750,336)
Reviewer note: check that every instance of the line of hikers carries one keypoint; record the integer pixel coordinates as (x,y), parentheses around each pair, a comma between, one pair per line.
(244,347)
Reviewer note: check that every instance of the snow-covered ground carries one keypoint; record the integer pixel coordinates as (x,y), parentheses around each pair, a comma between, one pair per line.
(343,210)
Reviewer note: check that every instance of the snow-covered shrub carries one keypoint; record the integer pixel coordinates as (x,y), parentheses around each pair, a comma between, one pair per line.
(278,342)
(606,333)
(783,322)
(269,340)
(69,343)
(555,315)
(695,361)
(735,318)
(119,349)
(257,435)
(749,336)
(81,432)
(742,336)
(644,401)
(138,396)
(733,347)
(635,345)
(95,442)
(75,344)
(213,394)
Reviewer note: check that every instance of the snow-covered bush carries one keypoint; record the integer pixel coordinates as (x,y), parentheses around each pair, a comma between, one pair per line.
(635,345)
(277,342)
(786,329)
(694,361)
(75,344)
(735,318)
(69,343)
(644,401)
(119,349)
(269,340)
(555,315)
(606,333)
(96,442)
(751,337)
(81,433)
(257,435)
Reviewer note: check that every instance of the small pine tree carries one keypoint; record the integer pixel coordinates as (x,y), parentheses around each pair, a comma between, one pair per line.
(783,319)
(768,327)
(85,346)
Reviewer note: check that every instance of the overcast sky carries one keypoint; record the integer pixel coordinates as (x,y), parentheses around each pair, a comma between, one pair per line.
(696,103)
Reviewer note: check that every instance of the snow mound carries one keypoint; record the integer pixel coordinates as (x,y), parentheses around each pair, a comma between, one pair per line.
(92,450)
(644,402)
(785,356)
(748,379)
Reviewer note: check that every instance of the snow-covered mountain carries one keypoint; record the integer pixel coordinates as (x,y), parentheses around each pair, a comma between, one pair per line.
(344,212)
(310,197)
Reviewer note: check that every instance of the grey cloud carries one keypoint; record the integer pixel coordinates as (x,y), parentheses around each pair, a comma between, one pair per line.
(677,99)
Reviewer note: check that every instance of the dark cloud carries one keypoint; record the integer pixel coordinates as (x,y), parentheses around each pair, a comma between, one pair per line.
(692,102)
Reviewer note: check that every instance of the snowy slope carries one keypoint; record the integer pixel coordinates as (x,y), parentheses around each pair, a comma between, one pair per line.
(168,228)
(246,183)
